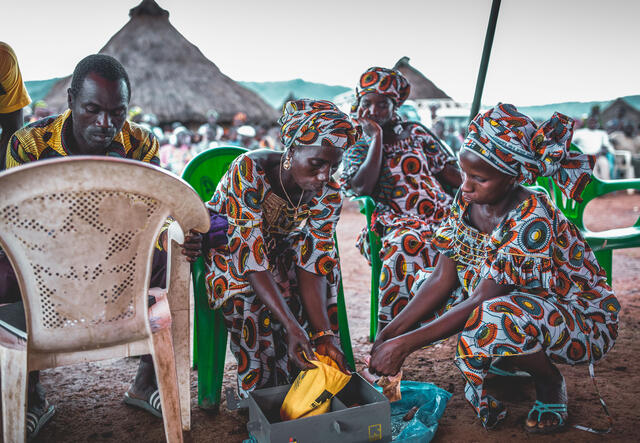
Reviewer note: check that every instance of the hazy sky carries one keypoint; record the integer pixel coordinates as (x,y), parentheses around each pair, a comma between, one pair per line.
(544,50)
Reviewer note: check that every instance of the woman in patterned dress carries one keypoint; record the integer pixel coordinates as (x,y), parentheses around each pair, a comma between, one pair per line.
(515,278)
(276,277)
(400,165)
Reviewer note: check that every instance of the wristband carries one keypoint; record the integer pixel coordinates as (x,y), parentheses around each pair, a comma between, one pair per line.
(316,335)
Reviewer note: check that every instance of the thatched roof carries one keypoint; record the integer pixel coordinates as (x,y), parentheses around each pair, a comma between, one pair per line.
(621,109)
(421,86)
(169,76)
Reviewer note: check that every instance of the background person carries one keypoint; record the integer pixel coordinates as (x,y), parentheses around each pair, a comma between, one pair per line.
(13,98)
(401,166)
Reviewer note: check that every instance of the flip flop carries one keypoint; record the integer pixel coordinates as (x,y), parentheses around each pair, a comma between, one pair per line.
(152,406)
(35,423)
(547,408)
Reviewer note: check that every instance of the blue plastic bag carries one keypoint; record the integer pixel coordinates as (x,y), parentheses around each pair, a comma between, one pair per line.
(431,401)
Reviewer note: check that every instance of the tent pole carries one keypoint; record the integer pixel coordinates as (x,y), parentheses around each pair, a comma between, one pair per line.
(486,53)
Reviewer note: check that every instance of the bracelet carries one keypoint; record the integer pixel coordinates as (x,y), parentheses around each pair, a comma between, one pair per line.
(316,335)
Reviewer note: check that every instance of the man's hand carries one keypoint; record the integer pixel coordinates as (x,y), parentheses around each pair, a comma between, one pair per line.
(191,248)
(329,345)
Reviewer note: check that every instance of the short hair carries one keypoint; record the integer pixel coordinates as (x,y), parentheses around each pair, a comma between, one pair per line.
(103,65)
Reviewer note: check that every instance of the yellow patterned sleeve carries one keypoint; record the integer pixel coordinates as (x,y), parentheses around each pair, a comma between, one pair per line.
(13,93)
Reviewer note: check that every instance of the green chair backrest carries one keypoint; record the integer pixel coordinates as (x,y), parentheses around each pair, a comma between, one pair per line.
(206,169)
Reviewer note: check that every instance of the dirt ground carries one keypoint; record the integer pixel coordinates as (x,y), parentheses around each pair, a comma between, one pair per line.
(89,397)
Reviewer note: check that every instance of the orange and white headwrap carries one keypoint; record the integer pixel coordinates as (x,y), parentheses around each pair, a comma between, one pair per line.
(316,123)
(513,144)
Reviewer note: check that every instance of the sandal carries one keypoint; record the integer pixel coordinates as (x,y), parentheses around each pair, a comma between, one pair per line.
(35,422)
(547,408)
(153,405)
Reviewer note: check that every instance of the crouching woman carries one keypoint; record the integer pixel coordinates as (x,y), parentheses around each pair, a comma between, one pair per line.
(516,279)
(276,277)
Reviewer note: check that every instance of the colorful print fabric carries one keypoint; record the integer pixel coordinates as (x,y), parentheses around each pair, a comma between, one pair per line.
(388,82)
(411,203)
(316,122)
(561,303)
(513,144)
(265,235)
(45,139)
(13,93)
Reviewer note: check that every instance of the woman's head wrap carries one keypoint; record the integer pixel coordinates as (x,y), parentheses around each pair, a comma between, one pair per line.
(318,123)
(512,143)
(388,82)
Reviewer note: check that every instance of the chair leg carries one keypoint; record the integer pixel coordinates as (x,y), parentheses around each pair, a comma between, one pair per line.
(343,320)
(211,338)
(605,259)
(13,376)
(376,269)
(180,332)
(164,363)
(211,358)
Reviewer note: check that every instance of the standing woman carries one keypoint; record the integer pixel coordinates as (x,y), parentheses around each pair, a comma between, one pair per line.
(402,167)
(515,278)
(276,277)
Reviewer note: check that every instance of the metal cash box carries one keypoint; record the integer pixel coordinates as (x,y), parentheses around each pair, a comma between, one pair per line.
(359,413)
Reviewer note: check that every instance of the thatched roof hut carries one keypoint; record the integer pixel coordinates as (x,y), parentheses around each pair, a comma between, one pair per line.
(421,87)
(621,110)
(169,76)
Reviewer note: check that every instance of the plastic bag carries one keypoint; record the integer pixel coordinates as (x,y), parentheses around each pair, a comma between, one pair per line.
(312,390)
(431,402)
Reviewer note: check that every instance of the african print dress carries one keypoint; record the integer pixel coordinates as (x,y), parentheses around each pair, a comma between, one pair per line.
(561,303)
(410,204)
(265,235)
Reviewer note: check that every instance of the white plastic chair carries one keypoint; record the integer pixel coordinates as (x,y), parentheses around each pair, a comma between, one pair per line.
(80,233)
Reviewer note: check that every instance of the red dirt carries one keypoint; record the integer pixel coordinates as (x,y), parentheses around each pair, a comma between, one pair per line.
(89,397)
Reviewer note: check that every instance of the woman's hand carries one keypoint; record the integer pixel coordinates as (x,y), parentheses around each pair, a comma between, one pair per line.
(191,248)
(380,339)
(299,346)
(329,345)
(369,127)
(387,358)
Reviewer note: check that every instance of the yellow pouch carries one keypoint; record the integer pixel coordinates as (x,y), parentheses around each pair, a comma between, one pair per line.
(312,391)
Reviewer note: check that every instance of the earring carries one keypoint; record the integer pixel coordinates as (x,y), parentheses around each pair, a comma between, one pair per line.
(286,164)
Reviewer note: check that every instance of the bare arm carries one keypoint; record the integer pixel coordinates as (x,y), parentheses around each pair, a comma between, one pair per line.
(269,293)
(10,123)
(433,292)
(313,293)
(450,175)
(389,357)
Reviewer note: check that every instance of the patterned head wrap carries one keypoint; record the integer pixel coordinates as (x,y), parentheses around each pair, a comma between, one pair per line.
(388,82)
(318,123)
(512,143)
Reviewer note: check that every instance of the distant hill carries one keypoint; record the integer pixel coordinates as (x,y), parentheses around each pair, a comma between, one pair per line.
(38,89)
(275,93)
(572,109)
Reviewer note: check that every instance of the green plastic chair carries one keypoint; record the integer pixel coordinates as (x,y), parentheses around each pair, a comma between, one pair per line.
(210,334)
(603,243)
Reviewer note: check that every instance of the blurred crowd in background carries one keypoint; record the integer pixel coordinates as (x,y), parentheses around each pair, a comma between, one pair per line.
(615,141)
